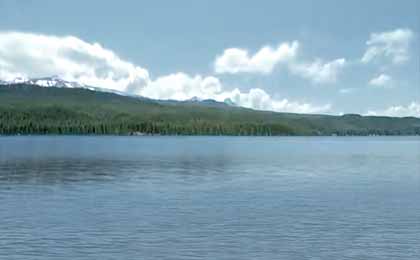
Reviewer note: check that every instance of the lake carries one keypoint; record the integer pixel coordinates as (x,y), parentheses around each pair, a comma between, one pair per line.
(326,198)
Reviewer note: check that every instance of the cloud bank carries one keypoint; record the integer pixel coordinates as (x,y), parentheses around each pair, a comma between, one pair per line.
(391,45)
(70,58)
(412,109)
(181,86)
(34,55)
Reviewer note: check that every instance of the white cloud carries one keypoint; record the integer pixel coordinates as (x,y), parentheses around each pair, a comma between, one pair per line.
(181,86)
(382,80)
(235,60)
(346,90)
(34,55)
(319,71)
(259,99)
(412,109)
(391,45)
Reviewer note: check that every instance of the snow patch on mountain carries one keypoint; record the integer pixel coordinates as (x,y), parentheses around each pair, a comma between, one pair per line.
(55,81)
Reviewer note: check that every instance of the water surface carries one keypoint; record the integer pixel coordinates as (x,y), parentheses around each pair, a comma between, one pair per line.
(209,198)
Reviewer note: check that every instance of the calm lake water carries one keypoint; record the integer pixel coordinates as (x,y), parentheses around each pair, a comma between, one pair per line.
(210,198)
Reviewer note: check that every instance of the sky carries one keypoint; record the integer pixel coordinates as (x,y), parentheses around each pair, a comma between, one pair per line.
(332,57)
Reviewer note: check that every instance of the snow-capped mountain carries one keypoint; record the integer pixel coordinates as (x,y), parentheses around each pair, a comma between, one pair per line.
(55,81)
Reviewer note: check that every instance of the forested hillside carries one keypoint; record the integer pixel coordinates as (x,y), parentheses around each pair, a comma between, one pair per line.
(28,109)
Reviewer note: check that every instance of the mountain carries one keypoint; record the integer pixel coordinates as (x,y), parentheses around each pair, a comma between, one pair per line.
(55,81)
(28,108)
(194,101)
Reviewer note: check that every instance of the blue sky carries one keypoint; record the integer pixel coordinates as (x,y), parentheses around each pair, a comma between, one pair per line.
(297,56)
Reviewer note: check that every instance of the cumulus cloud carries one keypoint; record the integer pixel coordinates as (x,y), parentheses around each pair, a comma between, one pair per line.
(412,109)
(235,60)
(181,86)
(319,71)
(392,45)
(34,55)
(259,99)
(382,80)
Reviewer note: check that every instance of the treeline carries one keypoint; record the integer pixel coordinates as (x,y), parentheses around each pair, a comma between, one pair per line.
(373,131)
(58,121)
(31,110)
(195,127)
(142,128)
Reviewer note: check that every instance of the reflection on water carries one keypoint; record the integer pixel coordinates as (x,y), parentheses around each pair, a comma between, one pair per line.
(209,198)
(80,170)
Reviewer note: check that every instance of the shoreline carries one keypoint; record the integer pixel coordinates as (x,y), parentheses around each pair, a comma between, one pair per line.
(168,135)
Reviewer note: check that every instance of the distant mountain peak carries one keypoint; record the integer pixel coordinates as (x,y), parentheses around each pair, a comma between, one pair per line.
(195,99)
(53,81)
(58,82)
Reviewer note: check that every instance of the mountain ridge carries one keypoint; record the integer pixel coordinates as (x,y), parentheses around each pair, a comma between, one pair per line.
(31,109)
(58,82)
